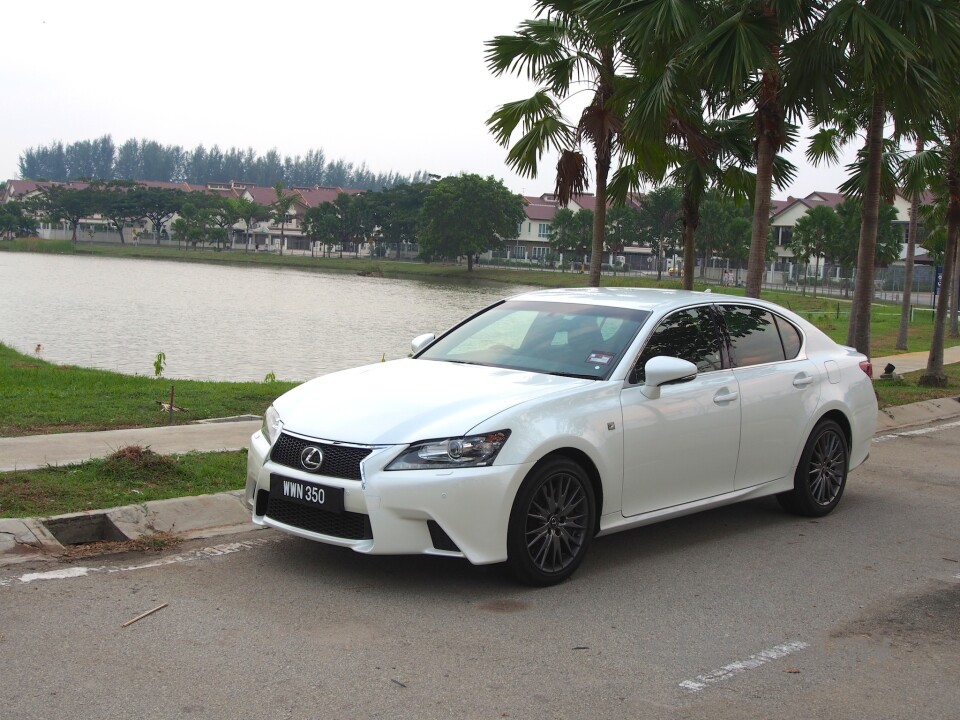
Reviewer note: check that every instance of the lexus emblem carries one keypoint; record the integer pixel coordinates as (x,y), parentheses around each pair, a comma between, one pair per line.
(311,457)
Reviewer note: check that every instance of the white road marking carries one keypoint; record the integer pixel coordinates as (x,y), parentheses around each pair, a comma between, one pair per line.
(81,571)
(741,666)
(912,433)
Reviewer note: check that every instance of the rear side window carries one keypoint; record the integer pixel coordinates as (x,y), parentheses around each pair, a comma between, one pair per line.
(791,337)
(753,335)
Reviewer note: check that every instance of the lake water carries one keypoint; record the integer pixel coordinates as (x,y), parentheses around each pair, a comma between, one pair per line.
(216,322)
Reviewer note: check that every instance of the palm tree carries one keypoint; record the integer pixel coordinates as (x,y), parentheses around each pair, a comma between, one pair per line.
(250,212)
(561,48)
(941,166)
(759,54)
(921,39)
(281,209)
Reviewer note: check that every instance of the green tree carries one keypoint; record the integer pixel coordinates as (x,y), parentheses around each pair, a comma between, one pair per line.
(71,205)
(660,222)
(810,237)
(395,212)
(724,225)
(16,220)
(563,49)
(572,232)
(321,223)
(157,204)
(843,248)
(115,203)
(225,212)
(466,215)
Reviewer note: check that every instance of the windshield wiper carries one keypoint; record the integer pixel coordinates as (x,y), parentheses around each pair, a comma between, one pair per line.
(578,376)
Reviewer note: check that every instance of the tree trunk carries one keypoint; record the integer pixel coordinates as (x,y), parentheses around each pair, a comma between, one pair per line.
(934,375)
(769,129)
(858,334)
(954,330)
(691,219)
(908,269)
(816,276)
(599,216)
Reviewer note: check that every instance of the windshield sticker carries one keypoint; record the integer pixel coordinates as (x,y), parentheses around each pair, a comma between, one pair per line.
(600,358)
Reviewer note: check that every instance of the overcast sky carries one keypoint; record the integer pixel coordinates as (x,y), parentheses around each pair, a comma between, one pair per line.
(401,86)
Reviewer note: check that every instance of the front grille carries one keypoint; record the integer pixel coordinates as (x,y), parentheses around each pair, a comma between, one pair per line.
(339,461)
(346,525)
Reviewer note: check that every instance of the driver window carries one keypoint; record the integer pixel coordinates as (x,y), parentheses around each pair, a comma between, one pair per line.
(689,335)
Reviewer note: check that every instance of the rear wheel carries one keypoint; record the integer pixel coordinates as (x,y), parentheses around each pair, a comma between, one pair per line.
(551,524)
(821,473)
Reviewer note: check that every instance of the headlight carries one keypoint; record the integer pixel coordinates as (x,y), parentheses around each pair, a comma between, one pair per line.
(271,424)
(472,451)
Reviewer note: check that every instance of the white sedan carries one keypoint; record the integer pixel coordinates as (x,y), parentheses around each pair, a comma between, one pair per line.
(555,416)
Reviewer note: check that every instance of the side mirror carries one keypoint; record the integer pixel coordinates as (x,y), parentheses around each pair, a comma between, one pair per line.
(421,341)
(661,370)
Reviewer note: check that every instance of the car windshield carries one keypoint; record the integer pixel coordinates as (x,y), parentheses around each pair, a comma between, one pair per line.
(567,339)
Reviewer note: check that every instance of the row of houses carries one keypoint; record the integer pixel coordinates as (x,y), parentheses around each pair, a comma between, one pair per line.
(266,234)
(531,244)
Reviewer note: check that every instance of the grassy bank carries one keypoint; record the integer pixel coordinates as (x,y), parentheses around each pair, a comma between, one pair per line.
(130,476)
(40,397)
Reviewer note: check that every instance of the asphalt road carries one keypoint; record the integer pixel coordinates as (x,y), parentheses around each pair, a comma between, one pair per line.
(738,613)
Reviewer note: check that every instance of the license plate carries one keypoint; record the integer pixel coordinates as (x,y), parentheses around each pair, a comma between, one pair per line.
(306,493)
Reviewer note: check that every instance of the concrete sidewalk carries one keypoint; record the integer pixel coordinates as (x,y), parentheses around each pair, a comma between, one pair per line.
(909,362)
(36,451)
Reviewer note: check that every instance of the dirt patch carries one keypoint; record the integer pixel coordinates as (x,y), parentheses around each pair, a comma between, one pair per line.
(148,543)
(932,618)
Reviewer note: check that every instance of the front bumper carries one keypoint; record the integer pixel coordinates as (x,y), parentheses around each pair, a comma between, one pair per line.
(459,513)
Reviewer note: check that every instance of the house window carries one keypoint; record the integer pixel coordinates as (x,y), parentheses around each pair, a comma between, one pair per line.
(519,251)
(539,252)
(543,230)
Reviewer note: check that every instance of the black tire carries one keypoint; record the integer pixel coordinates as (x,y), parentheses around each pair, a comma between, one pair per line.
(821,473)
(551,524)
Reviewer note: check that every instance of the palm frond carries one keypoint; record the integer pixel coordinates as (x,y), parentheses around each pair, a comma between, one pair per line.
(546,134)
(572,175)
(504,122)
(535,45)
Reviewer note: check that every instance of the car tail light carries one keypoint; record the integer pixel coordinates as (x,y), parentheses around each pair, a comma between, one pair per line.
(867,367)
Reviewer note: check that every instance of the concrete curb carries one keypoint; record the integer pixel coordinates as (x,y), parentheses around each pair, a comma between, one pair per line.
(26,539)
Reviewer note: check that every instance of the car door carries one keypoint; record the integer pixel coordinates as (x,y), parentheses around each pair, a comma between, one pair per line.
(779,391)
(682,446)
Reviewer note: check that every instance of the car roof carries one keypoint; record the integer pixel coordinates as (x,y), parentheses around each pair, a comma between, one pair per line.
(648,299)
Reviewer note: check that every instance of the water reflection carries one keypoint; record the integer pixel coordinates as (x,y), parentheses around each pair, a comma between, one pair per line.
(216,322)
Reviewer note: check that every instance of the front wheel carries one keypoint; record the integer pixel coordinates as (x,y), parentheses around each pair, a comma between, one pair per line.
(821,473)
(551,524)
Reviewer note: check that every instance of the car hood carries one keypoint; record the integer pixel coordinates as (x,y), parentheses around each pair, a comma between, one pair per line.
(407,400)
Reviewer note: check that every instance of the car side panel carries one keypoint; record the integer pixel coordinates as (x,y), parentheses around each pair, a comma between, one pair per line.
(778,402)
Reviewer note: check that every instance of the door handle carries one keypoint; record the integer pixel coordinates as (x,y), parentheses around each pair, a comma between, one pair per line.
(719,398)
(802,381)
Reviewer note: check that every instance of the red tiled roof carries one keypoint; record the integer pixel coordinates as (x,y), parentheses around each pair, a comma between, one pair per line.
(539,209)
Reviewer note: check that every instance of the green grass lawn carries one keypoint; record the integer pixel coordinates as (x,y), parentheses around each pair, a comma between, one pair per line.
(40,397)
(130,476)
